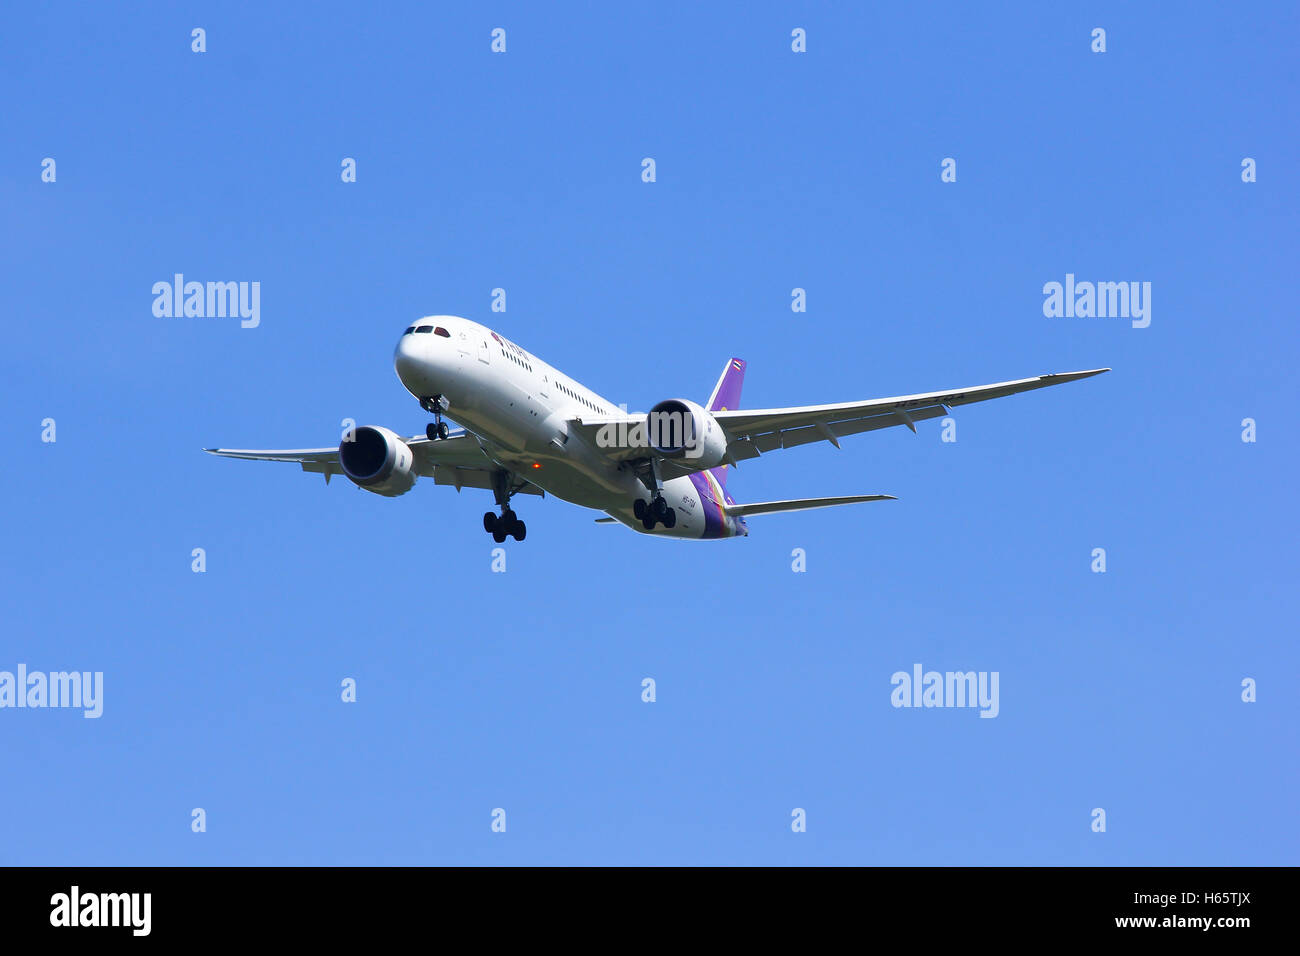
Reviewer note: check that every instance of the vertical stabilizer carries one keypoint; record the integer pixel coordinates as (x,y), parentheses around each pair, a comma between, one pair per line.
(725,397)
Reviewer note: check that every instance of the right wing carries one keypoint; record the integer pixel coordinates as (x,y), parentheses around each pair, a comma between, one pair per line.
(457,460)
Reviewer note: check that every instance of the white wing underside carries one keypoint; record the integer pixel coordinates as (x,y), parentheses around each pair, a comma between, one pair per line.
(753,432)
(456,460)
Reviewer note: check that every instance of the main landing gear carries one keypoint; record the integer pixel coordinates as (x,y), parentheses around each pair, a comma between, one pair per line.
(504,525)
(437,428)
(656,512)
(507,524)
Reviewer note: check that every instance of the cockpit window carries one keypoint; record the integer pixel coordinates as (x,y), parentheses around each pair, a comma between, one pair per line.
(443,332)
(423,328)
(409,331)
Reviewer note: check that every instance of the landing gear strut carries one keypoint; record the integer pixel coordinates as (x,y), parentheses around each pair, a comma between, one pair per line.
(507,524)
(436,404)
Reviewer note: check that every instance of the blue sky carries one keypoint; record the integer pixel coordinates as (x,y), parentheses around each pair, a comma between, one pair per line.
(522,690)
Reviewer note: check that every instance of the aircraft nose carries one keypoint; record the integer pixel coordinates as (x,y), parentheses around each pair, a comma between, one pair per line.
(412,362)
(406,356)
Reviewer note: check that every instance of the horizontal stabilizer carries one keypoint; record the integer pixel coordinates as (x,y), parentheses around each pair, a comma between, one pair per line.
(800,504)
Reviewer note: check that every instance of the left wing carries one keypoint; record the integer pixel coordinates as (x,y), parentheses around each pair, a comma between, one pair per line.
(753,432)
(457,460)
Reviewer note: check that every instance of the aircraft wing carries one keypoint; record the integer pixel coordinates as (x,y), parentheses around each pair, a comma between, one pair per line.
(457,460)
(752,432)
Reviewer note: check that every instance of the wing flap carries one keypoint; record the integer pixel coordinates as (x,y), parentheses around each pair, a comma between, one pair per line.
(824,431)
(459,450)
(460,478)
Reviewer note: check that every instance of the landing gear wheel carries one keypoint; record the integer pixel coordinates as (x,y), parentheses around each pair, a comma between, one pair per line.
(503,526)
(670,519)
(431,431)
(507,523)
(659,508)
(638,509)
(648,523)
(442,430)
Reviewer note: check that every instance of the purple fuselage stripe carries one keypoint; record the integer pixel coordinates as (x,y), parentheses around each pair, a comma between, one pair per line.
(715,523)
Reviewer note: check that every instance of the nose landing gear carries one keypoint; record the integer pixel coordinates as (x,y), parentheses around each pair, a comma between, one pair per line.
(436,404)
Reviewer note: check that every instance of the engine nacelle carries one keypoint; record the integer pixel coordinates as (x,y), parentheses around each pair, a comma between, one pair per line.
(377,460)
(681,429)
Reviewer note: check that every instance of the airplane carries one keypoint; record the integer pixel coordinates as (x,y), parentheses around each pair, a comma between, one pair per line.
(530,429)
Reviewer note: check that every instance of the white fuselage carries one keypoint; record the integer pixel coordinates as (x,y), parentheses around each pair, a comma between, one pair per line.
(518,407)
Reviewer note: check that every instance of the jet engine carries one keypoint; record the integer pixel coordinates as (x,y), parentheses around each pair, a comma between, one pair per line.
(681,430)
(377,460)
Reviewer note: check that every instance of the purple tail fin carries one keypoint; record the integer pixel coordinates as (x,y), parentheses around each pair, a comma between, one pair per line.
(726,395)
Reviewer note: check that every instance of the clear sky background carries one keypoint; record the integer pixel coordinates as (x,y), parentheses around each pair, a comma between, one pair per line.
(522,690)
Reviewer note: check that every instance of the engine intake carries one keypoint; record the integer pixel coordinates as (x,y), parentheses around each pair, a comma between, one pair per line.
(680,429)
(377,460)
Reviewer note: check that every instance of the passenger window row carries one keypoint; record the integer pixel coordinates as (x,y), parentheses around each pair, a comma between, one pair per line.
(516,359)
(576,397)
